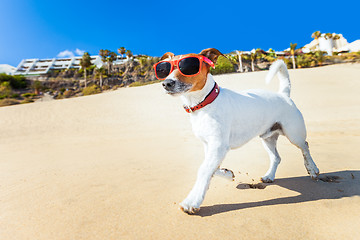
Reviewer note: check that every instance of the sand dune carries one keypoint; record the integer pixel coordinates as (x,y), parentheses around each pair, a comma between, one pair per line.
(116,166)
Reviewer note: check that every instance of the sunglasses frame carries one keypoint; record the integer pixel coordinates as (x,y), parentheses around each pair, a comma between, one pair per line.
(176,63)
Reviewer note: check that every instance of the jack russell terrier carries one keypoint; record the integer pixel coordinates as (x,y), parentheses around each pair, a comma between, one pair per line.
(225,120)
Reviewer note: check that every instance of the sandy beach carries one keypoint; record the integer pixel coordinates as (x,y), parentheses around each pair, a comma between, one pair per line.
(116,166)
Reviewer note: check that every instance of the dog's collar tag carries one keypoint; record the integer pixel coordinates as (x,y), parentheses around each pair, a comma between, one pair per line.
(208,99)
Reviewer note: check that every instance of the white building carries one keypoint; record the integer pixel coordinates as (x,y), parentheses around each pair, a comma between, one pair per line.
(351,47)
(328,45)
(8,69)
(42,66)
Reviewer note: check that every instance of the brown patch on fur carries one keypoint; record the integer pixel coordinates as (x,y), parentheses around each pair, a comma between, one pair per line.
(167,55)
(211,53)
(198,81)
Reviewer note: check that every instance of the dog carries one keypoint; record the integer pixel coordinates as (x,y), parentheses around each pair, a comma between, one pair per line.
(224,120)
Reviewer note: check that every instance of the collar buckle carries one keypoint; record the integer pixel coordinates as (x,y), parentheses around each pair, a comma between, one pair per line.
(188,109)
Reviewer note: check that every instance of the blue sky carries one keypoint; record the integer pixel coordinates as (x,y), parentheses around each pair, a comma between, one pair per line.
(43,29)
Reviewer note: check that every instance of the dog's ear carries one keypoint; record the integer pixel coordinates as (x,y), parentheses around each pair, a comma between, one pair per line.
(211,53)
(167,55)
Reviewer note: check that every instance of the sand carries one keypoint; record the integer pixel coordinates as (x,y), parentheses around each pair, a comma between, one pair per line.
(116,165)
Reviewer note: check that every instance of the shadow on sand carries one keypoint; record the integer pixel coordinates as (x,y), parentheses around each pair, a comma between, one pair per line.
(333,185)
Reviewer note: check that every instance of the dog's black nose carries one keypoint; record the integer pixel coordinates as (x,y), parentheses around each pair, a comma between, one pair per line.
(168,84)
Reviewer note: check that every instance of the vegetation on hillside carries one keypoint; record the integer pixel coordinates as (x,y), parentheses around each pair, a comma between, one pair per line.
(137,71)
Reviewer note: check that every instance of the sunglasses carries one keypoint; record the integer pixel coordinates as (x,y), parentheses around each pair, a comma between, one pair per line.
(188,66)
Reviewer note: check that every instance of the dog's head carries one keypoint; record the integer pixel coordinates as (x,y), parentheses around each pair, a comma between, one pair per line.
(177,82)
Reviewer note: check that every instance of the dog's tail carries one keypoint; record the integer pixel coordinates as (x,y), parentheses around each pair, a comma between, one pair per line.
(280,68)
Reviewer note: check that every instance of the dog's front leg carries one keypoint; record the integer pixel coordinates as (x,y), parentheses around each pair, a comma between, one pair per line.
(213,157)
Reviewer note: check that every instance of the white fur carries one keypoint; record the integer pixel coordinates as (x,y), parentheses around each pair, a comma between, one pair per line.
(233,119)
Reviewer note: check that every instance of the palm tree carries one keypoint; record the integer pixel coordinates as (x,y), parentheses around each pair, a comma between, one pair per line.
(122,51)
(292,51)
(336,36)
(37,86)
(328,35)
(316,35)
(129,54)
(107,57)
(253,56)
(100,71)
(85,62)
(240,61)
(110,59)
(103,54)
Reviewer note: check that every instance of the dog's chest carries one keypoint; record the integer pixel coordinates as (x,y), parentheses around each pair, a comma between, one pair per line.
(205,125)
(198,127)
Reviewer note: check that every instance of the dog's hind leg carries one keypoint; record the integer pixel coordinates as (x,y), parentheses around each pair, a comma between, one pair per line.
(270,146)
(309,163)
(296,133)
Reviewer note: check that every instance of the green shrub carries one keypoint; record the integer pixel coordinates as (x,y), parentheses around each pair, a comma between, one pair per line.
(139,83)
(26,100)
(319,57)
(353,56)
(37,86)
(80,71)
(93,89)
(270,58)
(8,101)
(68,93)
(5,90)
(5,86)
(14,95)
(27,95)
(60,96)
(303,61)
(105,87)
(310,59)
(223,65)
(16,82)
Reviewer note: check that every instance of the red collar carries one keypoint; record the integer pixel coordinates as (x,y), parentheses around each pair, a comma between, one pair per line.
(208,99)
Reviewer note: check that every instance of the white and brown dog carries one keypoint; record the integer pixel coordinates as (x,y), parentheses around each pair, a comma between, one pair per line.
(225,120)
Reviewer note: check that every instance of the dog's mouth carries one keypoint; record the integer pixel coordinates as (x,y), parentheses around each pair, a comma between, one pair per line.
(178,89)
(172,93)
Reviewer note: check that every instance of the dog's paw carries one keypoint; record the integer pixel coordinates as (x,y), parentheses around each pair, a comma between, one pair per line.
(190,205)
(267,179)
(225,173)
(313,171)
(229,174)
(187,208)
